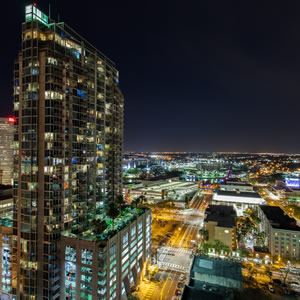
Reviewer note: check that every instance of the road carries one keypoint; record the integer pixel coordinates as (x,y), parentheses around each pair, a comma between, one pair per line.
(174,253)
(188,232)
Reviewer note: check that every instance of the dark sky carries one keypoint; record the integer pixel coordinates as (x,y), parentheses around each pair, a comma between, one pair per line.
(196,75)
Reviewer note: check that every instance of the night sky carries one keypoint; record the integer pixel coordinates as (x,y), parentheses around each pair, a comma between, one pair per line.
(196,75)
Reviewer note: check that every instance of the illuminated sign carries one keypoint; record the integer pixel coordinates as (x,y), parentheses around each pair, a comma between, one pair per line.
(11,120)
(32,13)
(293,182)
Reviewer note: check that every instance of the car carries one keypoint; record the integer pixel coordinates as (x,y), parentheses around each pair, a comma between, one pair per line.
(180,285)
(283,284)
(286,291)
(295,293)
(277,281)
(271,288)
(182,277)
(178,292)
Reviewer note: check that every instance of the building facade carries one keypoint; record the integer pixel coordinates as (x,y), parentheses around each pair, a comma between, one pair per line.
(282,232)
(108,268)
(221,225)
(6,150)
(68,146)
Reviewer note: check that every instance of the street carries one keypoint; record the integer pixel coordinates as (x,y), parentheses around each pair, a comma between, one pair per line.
(175,236)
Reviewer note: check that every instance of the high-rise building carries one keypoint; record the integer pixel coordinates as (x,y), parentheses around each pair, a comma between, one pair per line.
(69,141)
(6,150)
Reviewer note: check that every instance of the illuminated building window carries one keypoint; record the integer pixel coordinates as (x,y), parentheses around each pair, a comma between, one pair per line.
(70,254)
(86,256)
(125,239)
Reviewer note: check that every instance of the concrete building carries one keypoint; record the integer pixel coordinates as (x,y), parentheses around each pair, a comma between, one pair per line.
(105,268)
(220,224)
(213,279)
(68,146)
(6,150)
(282,232)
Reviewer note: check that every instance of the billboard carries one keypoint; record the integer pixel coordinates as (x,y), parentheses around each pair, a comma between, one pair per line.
(293,182)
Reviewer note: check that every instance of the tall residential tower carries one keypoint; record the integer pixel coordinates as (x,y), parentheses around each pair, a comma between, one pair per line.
(68,146)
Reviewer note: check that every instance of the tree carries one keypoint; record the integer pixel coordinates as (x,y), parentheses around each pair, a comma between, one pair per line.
(98,226)
(112,211)
(268,273)
(120,200)
(142,199)
(252,272)
(204,234)
(136,201)
(219,246)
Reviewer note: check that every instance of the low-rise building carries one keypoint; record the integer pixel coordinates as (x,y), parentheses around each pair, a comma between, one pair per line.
(236,186)
(241,201)
(213,279)
(282,232)
(220,224)
(105,268)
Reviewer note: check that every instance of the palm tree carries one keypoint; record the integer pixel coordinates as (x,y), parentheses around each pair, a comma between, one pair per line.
(112,211)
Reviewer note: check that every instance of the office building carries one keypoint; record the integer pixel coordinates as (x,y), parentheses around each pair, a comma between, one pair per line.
(282,232)
(69,141)
(220,224)
(6,150)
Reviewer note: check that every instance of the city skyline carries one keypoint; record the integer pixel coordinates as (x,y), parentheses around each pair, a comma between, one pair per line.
(196,77)
(207,204)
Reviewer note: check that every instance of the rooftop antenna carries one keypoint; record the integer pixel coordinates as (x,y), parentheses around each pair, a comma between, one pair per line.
(58,18)
(49,10)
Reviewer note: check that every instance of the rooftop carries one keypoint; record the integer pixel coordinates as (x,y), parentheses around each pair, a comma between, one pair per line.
(239,194)
(278,218)
(128,215)
(217,268)
(223,214)
(192,293)
(237,183)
